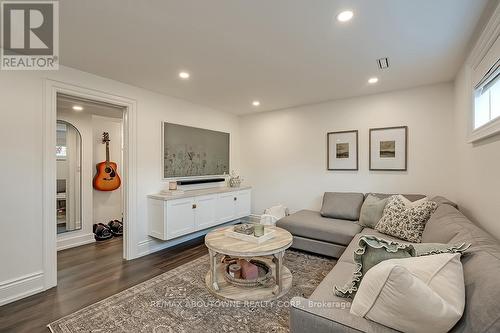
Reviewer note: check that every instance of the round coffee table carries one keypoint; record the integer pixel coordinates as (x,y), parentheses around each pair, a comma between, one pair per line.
(219,243)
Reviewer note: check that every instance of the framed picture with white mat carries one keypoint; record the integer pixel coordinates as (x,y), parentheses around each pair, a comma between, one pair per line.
(342,150)
(388,148)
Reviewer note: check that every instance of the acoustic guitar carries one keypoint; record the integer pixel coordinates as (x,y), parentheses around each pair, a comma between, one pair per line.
(106,178)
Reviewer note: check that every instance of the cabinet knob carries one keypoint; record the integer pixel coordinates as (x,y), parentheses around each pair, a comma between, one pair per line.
(235,198)
(194,206)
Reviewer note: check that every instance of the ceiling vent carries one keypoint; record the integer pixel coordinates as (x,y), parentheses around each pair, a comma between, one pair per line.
(383,63)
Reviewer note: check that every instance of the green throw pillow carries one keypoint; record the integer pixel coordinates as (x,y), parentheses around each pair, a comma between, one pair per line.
(372,211)
(373,250)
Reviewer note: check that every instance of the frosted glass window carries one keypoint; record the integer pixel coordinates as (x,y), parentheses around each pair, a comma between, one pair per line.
(482,110)
(487,100)
(495,100)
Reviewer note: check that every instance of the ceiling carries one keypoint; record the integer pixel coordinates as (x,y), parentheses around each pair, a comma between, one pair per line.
(65,105)
(281,52)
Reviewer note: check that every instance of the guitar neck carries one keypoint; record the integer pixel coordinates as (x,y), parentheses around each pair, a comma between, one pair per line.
(107,153)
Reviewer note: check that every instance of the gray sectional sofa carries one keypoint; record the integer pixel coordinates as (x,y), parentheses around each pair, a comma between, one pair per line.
(325,312)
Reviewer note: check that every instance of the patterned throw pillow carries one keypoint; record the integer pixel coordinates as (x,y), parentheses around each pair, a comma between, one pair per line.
(405,221)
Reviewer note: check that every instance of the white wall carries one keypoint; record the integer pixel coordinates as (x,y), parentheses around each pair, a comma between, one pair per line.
(21,107)
(284,152)
(107,205)
(478,166)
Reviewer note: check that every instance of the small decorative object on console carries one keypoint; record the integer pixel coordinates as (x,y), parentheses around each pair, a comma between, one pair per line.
(172,186)
(234,180)
(246,229)
(258,230)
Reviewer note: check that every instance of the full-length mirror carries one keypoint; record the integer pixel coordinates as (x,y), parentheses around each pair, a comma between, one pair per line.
(69,177)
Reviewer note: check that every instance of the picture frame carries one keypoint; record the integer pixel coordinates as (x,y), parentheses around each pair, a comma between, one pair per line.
(342,150)
(388,149)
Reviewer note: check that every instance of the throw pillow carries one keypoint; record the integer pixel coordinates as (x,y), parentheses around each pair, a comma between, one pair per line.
(409,203)
(373,250)
(405,222)
(371,211)
(423,294)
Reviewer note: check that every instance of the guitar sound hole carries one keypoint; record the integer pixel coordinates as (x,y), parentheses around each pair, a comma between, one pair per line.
(107,170)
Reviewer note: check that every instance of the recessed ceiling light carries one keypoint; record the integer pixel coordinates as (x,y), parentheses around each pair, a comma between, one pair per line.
(184,75)
(77,107)
(345,16)
(373,80)
(255,103)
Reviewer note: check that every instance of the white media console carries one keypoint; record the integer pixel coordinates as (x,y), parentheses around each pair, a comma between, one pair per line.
(172,216)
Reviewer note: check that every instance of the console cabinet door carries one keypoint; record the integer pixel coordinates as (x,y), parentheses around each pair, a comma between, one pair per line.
(180,217)
(243,203)
(226,207)
(205,211)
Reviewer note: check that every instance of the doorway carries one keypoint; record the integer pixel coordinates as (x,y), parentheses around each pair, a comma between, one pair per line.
(126,108)
(89,200)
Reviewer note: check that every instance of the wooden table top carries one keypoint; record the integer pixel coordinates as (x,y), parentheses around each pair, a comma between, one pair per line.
(217,241)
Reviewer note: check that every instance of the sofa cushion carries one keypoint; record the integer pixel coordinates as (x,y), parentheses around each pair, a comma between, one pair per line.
(393,293)
(444,224)
(310,224)
(411,197)
(344,206)
(444,201)
(372,211)
(481,265)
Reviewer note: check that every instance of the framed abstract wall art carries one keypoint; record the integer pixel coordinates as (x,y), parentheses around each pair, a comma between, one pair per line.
(342,150)
(388,148)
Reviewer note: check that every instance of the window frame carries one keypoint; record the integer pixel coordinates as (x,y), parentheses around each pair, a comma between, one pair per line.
(484,45)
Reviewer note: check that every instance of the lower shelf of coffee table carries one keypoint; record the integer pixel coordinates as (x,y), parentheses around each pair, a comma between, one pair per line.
(229,291)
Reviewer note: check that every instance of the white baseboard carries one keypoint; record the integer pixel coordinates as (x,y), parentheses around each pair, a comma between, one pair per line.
(69,242)
(151,245)
(24,286)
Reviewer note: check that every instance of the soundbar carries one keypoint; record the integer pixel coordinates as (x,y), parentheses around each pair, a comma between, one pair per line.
(200,181)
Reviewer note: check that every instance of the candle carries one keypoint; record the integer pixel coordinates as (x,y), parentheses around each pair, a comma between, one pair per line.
(172,186)
(235,271)
(258,230)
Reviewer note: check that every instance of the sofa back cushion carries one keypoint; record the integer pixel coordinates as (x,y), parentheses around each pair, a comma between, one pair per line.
(481,266)
(372,211)
(411,197)
(344,206)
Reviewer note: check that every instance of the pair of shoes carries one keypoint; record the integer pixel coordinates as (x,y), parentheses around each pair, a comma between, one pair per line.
(116,227)
(102,232)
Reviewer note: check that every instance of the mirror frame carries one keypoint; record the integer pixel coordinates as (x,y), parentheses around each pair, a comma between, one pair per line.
(67,123)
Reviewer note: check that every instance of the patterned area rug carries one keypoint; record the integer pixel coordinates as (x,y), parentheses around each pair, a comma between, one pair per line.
(178,302)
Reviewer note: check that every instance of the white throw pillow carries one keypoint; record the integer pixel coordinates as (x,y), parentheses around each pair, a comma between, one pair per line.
(415,203)
(418,294)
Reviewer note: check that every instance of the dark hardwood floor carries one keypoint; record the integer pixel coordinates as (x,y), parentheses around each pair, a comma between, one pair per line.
(88,274)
